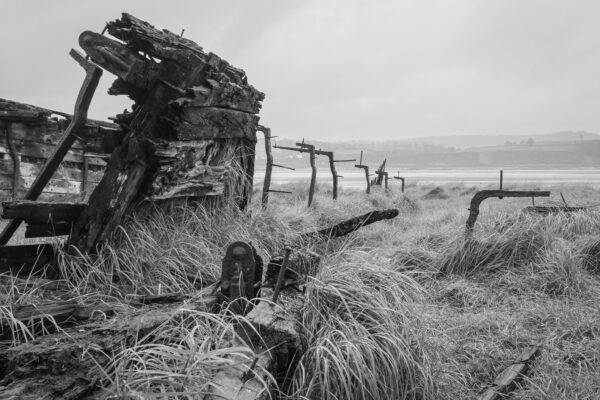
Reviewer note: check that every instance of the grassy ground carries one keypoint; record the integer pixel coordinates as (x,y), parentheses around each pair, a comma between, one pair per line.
(407,308)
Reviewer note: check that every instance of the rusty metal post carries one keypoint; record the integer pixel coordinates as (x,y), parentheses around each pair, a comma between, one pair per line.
(281,275)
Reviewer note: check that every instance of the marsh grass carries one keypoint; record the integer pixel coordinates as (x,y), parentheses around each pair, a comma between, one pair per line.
(406,308)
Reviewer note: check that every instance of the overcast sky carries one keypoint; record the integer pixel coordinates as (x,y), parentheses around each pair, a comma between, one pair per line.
(347,69)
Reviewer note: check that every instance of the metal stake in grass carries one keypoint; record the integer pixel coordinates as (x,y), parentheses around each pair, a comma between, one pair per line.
(281,275)
(366,168)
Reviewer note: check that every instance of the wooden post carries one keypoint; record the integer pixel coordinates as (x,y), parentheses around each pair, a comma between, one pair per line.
(93,74)
(269,166)
(386,177)
(366,168)
(401,178)
(15,158)
(313,167)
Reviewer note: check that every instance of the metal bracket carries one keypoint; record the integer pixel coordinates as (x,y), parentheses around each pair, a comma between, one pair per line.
(241,272)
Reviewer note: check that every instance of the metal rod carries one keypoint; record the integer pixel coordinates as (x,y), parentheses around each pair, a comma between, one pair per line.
(501,179)
(278,191)
(360,163)
(563,199)
(353,160)
(281,275)
(283,166)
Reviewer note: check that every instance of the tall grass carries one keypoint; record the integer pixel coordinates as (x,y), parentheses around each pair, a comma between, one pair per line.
(360,342)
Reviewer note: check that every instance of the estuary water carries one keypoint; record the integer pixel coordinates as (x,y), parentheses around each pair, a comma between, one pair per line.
(355,179)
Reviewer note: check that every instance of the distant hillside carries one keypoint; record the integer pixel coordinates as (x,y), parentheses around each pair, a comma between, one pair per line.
(467,141)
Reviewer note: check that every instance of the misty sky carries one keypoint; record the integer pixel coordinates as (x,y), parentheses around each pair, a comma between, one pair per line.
(347,69)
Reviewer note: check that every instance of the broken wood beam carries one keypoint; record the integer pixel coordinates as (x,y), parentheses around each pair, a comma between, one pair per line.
(486,194)
(273,333)
(353,224)
(64,365)
(191,134)
(39,212)
(508,379)
(88,88)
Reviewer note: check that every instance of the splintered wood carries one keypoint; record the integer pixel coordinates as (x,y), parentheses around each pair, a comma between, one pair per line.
(191,134)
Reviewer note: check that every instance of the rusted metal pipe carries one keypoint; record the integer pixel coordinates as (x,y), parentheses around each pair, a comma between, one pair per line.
(281,276)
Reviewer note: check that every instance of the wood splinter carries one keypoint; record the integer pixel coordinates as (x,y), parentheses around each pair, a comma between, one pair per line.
(508,379)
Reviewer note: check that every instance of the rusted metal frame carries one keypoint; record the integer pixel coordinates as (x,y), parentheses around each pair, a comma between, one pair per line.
(366,168)
(313,167)
(306,148)
(486,194)
(86,93)
(14,154)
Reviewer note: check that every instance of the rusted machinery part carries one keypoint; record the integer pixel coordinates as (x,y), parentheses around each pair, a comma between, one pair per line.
(480,196)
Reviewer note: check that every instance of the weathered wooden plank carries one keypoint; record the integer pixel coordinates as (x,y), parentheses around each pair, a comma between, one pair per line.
(273,333)
(25,259)
(58,312)
(48,230)
(93,74)
(64,186)
(507,380)
(353,224)
(42,152)
(69,171)
(182,171)
(16,159)
(38,212)
(110,199)
(10,105)
(66,365)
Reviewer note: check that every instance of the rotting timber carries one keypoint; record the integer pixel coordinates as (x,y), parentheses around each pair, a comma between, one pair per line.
(191,134)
